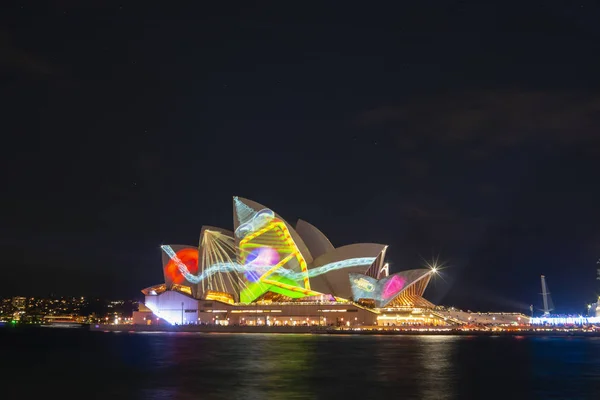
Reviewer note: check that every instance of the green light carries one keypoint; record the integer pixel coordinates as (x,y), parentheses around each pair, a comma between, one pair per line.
(254,290)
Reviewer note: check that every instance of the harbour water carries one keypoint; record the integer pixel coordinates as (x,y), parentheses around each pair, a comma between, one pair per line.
(74,363)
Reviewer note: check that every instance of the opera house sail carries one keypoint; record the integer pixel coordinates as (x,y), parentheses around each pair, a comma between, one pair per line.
(264,260)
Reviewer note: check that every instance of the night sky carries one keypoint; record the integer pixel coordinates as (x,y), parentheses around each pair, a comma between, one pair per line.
(445,129)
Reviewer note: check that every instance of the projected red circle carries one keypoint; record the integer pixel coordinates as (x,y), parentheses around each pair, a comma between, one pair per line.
(189,257)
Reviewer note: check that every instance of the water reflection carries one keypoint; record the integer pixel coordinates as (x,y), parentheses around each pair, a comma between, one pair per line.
(275,369)
(418,367)
(578,365)
(438,379)
(247,366)
(231,366)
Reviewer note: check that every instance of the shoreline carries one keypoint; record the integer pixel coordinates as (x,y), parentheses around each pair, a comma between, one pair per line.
(332,331)
(314,330)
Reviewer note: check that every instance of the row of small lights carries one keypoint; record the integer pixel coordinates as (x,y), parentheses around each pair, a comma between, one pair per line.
(124,320)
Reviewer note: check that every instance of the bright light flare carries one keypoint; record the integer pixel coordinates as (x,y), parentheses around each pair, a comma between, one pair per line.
(434,264)
(436,267)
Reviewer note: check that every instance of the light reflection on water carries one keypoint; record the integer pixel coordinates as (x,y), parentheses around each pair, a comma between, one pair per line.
(260,366)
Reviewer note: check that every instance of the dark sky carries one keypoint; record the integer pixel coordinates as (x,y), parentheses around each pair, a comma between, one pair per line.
(442,128)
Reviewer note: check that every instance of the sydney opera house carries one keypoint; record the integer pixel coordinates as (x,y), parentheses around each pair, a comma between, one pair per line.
(266,272)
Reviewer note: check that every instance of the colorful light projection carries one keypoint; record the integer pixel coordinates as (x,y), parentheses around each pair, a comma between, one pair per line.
(259,261)
(363,286)
(394,285)
(268,252)
(220,267)
(260,219)
(181,265)
(254,290)
(261,255)
(275,236)
(381,291)
(243,212)
(267,257)
(348,263)
(219,248)
(249,219)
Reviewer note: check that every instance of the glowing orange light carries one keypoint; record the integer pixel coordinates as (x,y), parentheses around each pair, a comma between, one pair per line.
(187,256)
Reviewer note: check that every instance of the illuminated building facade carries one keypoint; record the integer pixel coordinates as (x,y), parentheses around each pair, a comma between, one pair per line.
(19,303)
(565,320)
(266,272)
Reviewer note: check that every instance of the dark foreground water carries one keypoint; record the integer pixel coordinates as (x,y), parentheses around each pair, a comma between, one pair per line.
(64,364)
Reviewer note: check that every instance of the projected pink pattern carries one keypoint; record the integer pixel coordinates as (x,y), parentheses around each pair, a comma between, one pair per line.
(267,256)
(393,286)
(261,259)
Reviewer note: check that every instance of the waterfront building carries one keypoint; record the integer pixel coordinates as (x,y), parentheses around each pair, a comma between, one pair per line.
(19,303)
(267,272)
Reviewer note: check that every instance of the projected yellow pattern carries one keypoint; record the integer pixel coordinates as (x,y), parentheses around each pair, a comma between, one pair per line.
(276,235)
